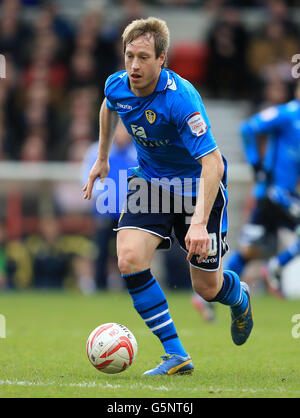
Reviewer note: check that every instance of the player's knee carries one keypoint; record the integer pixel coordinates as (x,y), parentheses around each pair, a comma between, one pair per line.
(129,261)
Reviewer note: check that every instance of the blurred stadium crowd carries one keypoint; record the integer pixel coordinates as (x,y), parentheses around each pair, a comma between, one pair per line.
(56,70)
(55,74)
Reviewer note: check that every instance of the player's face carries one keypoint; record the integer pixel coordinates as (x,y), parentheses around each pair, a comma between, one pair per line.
(142,66)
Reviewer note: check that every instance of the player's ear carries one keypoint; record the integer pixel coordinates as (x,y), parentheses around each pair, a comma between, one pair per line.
(163,59)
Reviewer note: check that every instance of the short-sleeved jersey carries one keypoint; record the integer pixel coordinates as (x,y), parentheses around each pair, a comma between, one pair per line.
(170,127)
(282,156)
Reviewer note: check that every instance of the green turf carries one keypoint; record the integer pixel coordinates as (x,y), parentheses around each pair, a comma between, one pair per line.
(43,354)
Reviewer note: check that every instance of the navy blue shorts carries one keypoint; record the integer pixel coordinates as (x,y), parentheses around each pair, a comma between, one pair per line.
(160,220)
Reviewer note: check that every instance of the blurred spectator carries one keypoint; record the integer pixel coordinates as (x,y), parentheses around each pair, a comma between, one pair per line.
(31,2)
(274,93)
(18,264)
(122,157)
(36,122)
(93,55)
(278,11)
(57,58)
(80,127)
(2,119)
(8,106)
(34,146)
(83,70)
(50,263)
(269,55)
(62,28)
(8,261)
(133,9)
(3,259)
(215,5)
(14,33)
(43,122)
(44,66)
(227,42)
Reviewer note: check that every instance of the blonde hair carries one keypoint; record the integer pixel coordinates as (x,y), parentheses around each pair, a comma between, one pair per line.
(153,26)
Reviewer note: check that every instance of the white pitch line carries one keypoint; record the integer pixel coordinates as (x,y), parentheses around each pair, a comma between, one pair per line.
(82,385)
(205,389)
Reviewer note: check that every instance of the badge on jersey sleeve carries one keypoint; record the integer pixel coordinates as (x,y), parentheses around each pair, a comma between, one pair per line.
(197,124)
(150,115)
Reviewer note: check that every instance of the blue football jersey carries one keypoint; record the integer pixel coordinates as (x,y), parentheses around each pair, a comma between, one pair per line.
(170,127)
(282,156)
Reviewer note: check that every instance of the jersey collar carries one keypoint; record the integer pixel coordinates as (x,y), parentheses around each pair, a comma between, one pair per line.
(163,80)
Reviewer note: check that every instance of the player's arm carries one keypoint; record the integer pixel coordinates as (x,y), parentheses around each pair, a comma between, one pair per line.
(256,127)
(193,125)
(197,239)
(107,122)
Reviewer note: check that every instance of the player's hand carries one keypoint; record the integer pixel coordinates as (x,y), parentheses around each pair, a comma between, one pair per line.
(100,169)
(197,242)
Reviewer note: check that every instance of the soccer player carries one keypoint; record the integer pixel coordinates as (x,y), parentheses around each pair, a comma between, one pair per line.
(166,117)
(277,200)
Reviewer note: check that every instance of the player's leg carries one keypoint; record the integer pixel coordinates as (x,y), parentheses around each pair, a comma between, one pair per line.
(135,249)
(206,309)
(225,287)
(287,255)
(271,271)
(250,248)
(220,286)
(255,240)
(208,278)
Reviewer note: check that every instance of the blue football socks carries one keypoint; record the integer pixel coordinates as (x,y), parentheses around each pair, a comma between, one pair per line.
(150,302)
(232,293)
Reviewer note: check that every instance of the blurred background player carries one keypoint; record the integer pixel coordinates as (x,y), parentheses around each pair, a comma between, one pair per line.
(122,157)
(276,165)
(205,308)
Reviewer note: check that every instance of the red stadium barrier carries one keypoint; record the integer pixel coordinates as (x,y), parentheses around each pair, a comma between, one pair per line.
(189,59)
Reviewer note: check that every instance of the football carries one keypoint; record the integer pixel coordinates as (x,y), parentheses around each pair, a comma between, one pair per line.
(111,348)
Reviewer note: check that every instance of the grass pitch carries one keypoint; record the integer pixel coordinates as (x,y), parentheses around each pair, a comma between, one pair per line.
(43,354)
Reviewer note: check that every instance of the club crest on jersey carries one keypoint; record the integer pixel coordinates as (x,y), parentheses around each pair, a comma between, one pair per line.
(150,115)
(196,124)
